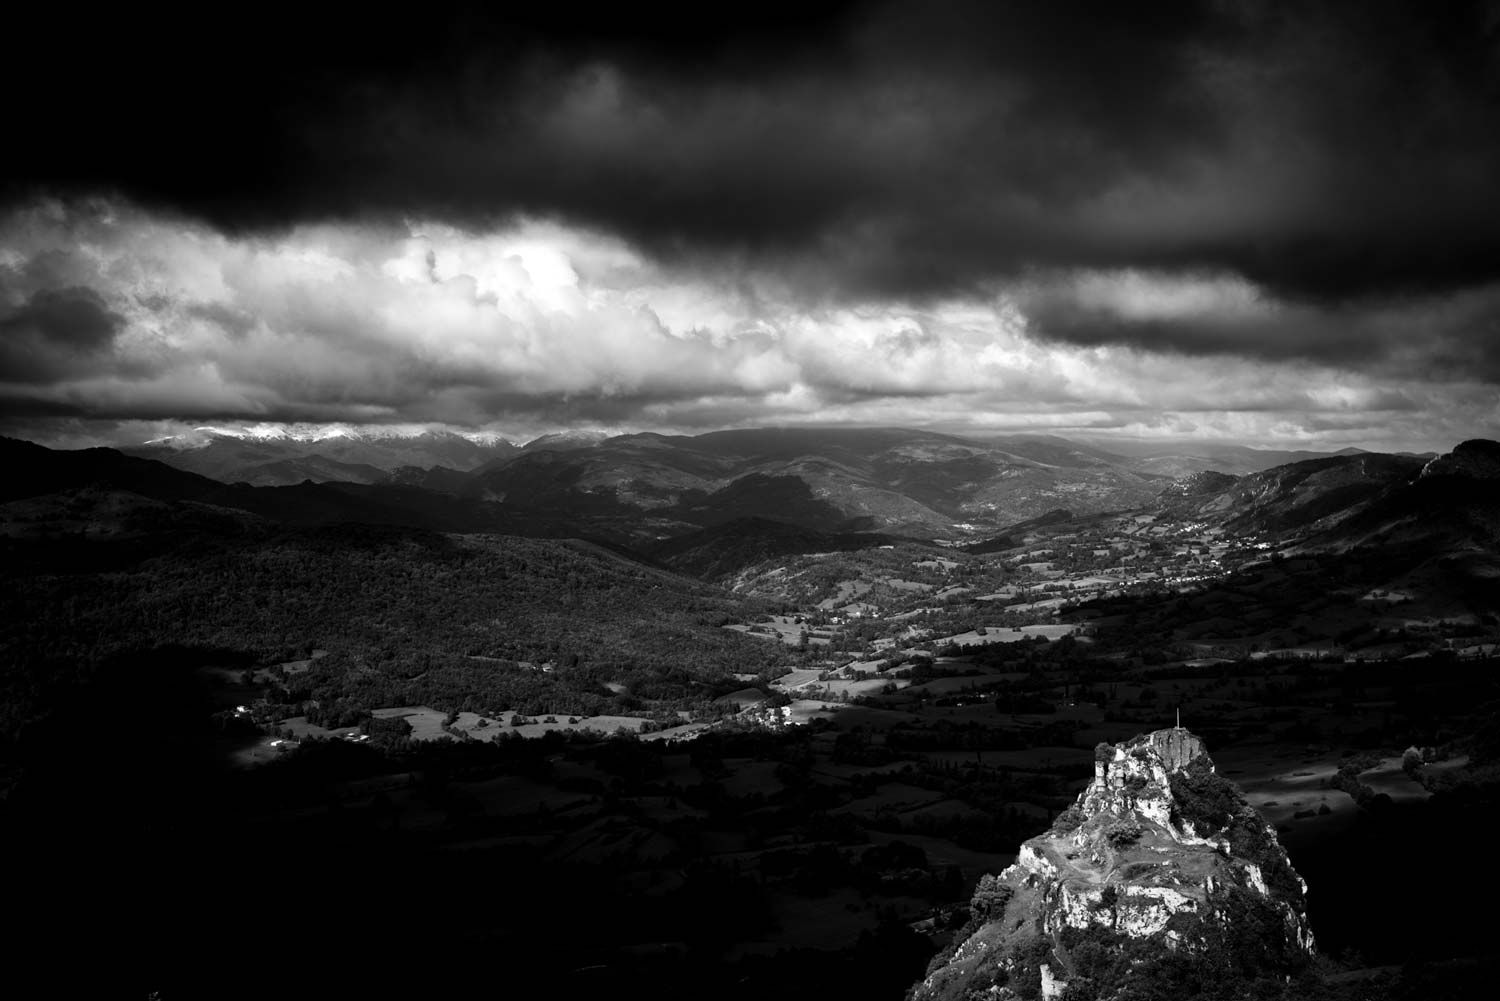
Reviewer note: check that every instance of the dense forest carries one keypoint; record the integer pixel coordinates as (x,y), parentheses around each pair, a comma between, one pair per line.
(407,617)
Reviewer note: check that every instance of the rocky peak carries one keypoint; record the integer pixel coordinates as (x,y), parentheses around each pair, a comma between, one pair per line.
(1159,859)
(1135,777)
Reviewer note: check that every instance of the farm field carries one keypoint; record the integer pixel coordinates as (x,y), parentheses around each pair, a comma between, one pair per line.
(426,722)
(503,723)
(1389,778)
(848,591)
(301,729)
(1007,635)
(773,811)
(1280,783)
(851,689)
(784,628)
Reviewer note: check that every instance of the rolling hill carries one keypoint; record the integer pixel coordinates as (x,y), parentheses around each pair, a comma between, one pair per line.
(915,483)
(1302,497)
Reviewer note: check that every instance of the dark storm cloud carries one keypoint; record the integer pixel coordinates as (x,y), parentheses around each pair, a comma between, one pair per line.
(1432,337)
(1323,150)
(56,334)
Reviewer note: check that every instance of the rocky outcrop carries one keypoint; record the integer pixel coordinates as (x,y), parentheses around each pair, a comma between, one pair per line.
(1159,861)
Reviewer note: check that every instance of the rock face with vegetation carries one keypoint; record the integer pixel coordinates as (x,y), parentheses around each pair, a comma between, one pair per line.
(1160,881)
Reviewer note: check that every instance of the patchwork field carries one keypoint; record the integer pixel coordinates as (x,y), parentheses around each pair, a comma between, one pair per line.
(1050,631)
(784,628)
(302,729)
(426,722)
(847,592)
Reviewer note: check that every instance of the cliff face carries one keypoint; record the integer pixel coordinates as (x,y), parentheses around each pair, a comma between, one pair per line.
(1160,861)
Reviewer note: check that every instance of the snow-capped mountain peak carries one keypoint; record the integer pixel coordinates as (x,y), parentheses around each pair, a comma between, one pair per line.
(200,437)
(577,438)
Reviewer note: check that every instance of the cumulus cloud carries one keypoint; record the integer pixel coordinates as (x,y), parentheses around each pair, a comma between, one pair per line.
(117,314)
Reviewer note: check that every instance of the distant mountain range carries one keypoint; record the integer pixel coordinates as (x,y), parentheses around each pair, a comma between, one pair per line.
(837,480)
(1176,458)
(644,486)
(282,456)
(710,502)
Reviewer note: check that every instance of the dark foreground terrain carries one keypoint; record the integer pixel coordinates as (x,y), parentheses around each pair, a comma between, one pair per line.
(747,861)
(250,755)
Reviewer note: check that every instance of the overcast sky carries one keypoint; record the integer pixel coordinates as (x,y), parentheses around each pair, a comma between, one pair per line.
(1264,222)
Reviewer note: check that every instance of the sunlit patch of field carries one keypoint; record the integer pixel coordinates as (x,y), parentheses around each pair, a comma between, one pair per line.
(426,722)
(852,689)
(796,678)
(1051,631)
(1282,782)
(1097,580)
(302,729)
(538,725)
(684,732)
(912,614)
(783,628)
(1040,605)
(805,710)
(1389,778)
(847,592)
(302,666)
(1004,594)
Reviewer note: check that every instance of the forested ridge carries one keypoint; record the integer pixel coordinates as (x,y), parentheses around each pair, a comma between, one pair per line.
(407,617)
